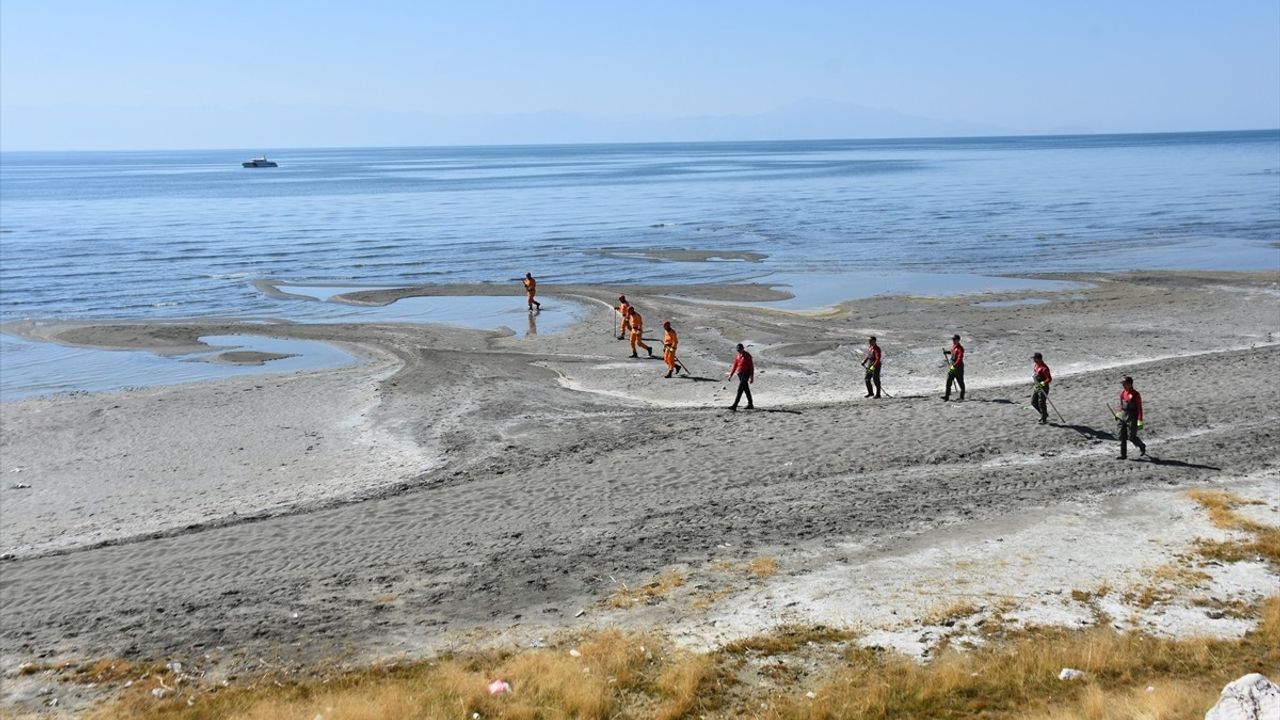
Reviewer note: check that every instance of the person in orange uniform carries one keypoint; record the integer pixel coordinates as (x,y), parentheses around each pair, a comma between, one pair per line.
(955,367)
(1130,418)
(872,361)
(744,367)
(669,343)
(1041,376)
(636,323)
(531,287)
(624,309)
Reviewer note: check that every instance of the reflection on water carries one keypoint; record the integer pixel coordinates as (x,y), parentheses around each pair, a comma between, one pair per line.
(481,312)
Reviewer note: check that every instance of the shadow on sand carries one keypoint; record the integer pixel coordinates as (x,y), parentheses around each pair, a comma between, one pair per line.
(1164,462)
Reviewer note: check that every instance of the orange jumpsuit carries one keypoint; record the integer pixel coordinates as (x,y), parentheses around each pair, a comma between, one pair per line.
(669,343)
(531,286)
(624,309)
(636,323)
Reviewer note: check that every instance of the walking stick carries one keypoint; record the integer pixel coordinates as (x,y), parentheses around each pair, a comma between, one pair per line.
(682,366)
(1055,409)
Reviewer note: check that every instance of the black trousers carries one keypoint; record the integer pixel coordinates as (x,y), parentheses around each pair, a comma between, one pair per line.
(1040,401)
(873,375)
(1129,434)
(744,387)
(957,376)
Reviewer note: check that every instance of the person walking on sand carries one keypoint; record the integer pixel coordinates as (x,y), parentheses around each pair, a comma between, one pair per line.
(871,362)
(745,369)
(1041,376)
(1130,418)
(636,323)
(955,367)
(624,310)
(669,343)
(531,287)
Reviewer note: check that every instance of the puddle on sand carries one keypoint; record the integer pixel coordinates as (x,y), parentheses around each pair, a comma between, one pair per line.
(481,312)
(38,368)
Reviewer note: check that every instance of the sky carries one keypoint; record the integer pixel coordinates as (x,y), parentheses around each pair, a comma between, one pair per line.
(230,74)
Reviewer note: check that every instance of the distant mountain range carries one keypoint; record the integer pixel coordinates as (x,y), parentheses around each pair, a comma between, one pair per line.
(267,125)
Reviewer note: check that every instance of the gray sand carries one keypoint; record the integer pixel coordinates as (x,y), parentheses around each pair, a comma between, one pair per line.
(482,478)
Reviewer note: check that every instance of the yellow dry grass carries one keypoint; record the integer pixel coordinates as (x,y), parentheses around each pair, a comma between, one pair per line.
(763,567)
(1020,678)
(1221,506)
(620,675)
(652,591)
(950,612)
(1264,540)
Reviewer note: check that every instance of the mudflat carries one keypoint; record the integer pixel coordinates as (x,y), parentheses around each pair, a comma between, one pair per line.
(461,479)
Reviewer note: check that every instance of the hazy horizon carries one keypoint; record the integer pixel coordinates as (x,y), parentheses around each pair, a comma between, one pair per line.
(462,145)
(74,75)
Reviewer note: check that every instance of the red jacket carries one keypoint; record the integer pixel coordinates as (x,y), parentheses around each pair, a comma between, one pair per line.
(874,356)
(742,364)
(957,354)
(1040,373)
(1126,398)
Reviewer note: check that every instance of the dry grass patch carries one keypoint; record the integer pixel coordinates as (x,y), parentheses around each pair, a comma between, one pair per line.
(1164,584)
(1264,541)
(707,599)
(786,639)
(949,613)
(621,675)
(610,674)
(1019,679)
(1221,506)
(1089,596)
(763,567)
(653,591)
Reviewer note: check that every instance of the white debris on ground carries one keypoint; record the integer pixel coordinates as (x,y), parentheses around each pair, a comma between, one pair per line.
(1252,697)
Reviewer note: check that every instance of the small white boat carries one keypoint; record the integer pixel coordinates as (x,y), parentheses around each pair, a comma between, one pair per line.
(259,162)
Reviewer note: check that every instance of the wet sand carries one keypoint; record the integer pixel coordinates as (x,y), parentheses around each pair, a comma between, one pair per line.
(485,479)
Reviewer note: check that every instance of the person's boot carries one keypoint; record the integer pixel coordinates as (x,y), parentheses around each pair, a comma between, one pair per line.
(634,355)
(650,351)
(668,375)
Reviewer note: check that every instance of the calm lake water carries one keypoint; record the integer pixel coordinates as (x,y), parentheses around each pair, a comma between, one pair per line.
(163,234)
(185,234)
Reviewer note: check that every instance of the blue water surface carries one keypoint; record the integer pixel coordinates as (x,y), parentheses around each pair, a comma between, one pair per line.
(166,234)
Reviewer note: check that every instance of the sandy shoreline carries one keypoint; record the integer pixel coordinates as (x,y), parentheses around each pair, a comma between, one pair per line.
(485,478)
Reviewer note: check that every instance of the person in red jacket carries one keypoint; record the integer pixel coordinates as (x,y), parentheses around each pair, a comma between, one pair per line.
(955,367)
(745,369)
(872,362)
(1041,376)
(1130,418)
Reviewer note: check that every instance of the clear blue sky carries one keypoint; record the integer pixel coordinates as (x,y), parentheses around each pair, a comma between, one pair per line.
(133,74)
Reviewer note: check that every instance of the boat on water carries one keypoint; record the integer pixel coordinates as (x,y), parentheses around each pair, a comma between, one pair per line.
(259,162)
